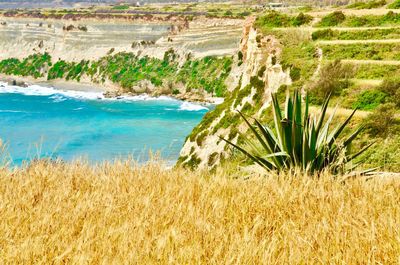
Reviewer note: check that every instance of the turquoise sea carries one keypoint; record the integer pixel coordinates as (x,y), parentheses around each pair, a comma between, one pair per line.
(44,122)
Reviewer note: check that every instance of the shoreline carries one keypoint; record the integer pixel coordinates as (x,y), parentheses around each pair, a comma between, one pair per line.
(111,91)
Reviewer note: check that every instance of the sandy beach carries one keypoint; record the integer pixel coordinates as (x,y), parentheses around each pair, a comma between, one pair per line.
(57,84)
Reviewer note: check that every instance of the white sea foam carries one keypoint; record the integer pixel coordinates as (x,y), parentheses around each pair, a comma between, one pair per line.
(191,107)
(59,95)
(36,90)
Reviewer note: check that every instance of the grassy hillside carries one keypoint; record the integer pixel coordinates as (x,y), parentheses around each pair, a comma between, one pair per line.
(119,213)
(357,62)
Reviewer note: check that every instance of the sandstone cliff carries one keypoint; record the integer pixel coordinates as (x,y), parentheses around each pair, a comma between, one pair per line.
(89,39)
(256,75)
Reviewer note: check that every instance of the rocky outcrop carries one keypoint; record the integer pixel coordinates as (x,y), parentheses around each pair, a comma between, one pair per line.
(257,74)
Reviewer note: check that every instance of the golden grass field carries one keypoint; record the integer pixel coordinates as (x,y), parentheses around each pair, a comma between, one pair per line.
(55,213)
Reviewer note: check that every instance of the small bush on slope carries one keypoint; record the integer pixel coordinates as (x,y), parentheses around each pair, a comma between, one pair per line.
(395,4)
(370,99)
(383,122)
(391,87)
(275,19)
(332,19)
(333,78)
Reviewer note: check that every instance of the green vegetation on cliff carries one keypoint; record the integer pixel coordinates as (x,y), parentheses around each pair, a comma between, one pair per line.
(34,65)
(127,70)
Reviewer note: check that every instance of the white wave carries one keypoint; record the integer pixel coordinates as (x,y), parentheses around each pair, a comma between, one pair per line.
(12,111)
(191,107)
(58,98)
(36,90)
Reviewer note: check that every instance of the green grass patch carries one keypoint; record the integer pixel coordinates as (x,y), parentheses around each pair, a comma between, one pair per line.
(121,7)
(337,18)
(366,51)
(375,71)
(368,4)
(370,99)
(368,34)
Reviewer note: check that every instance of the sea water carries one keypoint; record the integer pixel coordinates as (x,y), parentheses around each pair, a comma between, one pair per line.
(43,122)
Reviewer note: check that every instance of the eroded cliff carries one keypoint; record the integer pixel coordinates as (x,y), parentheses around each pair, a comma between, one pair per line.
(88,39)
(257,73)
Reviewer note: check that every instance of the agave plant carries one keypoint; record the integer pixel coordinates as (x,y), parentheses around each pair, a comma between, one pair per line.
(301,140)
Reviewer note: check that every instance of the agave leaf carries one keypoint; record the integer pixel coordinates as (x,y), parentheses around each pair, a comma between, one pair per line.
(258,136)
(323,112)
(305,150)
(339,130)
(276,154)
(353,136)
(306,115)
(277,121)
(268,135)
(267,163)
(324,132)
(271,142)
(264,165)
(351,157)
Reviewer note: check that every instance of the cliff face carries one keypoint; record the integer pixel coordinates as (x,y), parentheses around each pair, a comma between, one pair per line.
(256,75)
(89,39)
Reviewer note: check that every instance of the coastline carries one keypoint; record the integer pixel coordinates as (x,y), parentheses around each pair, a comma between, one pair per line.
(108,90)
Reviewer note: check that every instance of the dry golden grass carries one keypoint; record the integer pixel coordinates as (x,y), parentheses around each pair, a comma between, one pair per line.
(112,214)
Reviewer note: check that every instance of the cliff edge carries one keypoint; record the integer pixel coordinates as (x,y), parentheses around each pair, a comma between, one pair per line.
(256,74)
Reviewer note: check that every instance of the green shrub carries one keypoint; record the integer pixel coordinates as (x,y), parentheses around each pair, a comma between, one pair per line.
(261,71)
(332,19)
(382,121)
(34,65)
(301,19)
(275,19)
(58,70)
(295,73)
(370,99)
(324,34)
(385,154)
(391,87)
(333,78)
(395,4)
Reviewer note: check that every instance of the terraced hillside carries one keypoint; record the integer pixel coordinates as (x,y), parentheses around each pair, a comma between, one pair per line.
(358,54)
(352,53)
